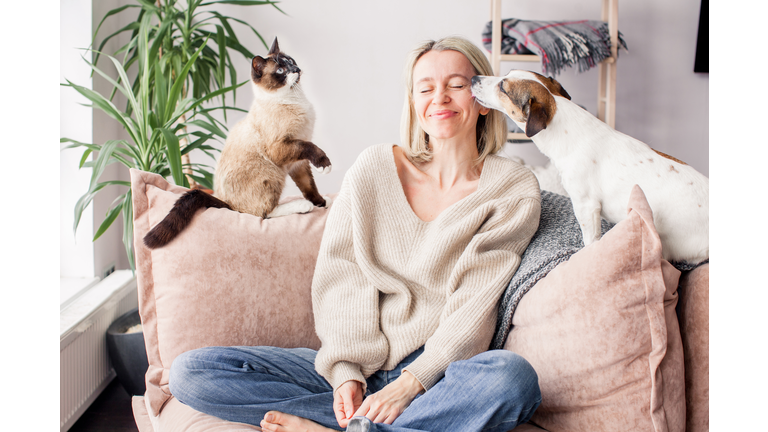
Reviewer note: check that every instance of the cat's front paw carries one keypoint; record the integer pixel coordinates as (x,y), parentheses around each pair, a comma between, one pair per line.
(323,165)
(328,201)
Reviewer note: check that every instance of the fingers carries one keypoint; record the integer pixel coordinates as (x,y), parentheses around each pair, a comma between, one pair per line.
(380,410)
(347,399)
(338,410)
(387,404)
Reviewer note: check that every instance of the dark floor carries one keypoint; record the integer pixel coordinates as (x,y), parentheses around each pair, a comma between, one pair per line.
(110,412)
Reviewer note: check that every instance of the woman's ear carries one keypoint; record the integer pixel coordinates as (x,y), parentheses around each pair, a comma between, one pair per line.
(484,110)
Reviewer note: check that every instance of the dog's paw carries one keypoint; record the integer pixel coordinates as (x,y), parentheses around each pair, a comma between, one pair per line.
(328,201)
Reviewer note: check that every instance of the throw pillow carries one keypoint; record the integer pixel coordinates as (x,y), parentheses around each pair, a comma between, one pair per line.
(225,265)
(601,332)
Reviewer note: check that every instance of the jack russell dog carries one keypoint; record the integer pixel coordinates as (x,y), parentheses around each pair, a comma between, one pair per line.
(599,165)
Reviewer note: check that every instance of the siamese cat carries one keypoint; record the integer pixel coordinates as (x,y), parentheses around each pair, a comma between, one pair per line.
(271,141)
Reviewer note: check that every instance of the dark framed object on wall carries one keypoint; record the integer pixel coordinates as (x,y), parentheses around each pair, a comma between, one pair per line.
(701,63)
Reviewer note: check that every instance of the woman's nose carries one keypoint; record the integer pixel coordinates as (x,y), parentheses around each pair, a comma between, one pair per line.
(441,97)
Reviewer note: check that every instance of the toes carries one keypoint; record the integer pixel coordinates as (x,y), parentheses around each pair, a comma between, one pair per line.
(328,201)
(273,422)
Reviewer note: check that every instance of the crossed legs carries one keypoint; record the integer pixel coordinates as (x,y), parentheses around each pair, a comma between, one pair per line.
(493,391)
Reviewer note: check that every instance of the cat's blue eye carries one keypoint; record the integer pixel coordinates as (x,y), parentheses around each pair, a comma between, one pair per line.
(280,70)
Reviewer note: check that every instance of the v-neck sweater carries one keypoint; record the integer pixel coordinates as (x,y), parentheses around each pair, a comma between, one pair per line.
(386,282)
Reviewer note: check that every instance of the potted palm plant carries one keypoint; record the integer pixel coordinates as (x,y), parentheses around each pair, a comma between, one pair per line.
(179,56)
(183,73)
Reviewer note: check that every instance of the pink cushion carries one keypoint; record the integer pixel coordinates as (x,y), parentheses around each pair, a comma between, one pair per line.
(228,279)
(694,326)
(601,332)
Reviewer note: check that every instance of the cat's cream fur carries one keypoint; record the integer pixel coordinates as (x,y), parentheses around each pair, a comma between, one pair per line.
(268,144)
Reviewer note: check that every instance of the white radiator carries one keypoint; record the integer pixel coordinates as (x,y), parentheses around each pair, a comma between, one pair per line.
(84,362)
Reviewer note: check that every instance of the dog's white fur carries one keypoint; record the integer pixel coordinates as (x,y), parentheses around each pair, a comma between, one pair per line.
(599,166)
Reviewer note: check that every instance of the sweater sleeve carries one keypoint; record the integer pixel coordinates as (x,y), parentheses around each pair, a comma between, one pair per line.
(479,278)
(345,304)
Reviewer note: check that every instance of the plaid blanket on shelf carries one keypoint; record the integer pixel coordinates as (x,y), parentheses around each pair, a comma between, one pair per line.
(560,44)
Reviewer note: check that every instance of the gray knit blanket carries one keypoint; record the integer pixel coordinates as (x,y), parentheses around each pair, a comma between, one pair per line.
(560,44)
(557,238)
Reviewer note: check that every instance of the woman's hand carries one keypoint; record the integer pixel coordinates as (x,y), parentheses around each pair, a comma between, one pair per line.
(387,404)
(346,400)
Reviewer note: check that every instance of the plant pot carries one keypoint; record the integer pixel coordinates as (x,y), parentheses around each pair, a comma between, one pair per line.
(128,352)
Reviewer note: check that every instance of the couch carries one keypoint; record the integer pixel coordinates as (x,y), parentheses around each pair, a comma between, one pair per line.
(617,335)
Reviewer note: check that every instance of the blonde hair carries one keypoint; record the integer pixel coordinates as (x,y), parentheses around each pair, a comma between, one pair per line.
(491,128)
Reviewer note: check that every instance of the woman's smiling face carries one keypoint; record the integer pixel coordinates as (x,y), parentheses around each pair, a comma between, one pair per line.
(442,97)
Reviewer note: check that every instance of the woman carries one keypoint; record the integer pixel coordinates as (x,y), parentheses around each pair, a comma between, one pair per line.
(417,250)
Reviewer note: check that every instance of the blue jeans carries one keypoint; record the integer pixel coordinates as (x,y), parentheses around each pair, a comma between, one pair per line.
(493,391)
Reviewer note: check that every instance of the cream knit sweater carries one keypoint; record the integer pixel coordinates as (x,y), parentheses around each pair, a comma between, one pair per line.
(386,282)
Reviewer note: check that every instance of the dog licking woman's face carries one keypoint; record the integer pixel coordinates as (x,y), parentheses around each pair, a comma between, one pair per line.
(442,97)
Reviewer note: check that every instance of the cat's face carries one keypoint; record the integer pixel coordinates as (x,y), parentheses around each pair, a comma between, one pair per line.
(277,71)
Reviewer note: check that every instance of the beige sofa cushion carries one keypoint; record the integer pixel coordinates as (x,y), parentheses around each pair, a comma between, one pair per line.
(602,334)
(228,279)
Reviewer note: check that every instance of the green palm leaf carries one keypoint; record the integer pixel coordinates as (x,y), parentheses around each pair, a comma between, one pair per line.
(181,55)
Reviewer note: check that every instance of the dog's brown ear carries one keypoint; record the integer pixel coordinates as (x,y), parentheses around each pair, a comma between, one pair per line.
(553,86)
(557,89)
(538,118)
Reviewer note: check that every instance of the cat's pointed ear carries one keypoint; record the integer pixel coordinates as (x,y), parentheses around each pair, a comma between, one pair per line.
(257,67)
(275,48)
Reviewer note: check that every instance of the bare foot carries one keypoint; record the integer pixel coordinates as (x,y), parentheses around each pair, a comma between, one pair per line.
(275,421)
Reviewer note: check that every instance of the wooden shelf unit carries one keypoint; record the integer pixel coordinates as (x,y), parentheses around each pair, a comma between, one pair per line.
(606,90)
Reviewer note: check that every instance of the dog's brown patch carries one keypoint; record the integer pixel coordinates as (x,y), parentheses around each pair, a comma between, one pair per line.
(669,157)
(552,85)
(529,102)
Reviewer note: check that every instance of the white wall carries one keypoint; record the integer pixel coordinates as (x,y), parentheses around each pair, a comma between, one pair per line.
(352,54)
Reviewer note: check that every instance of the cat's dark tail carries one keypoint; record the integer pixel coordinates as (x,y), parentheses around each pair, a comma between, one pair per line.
(180,216)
